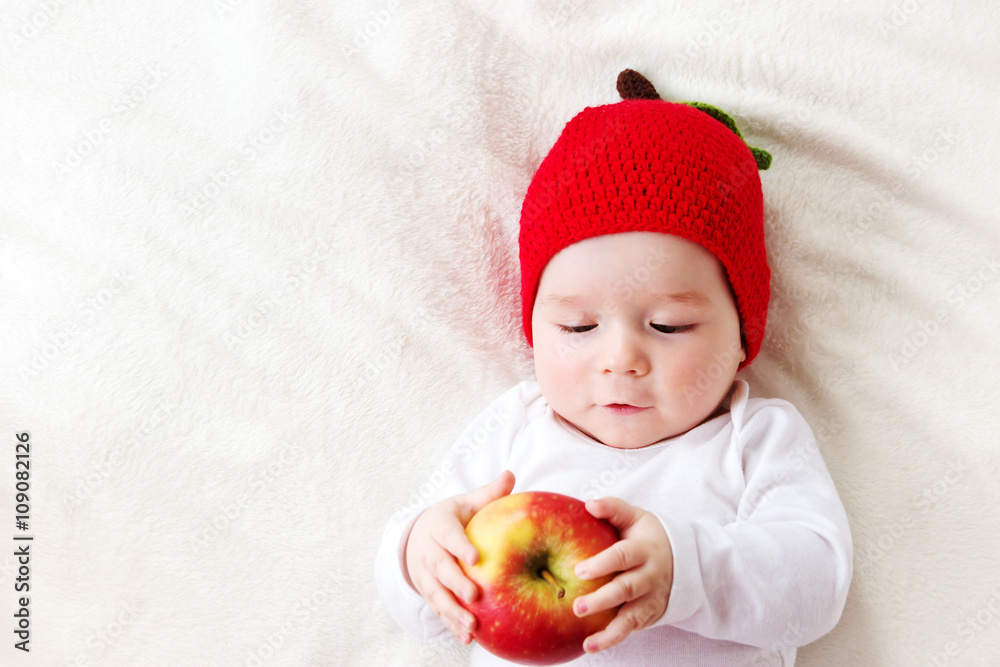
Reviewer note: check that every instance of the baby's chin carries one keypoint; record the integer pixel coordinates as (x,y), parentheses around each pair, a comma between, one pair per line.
(618,436)
(643,431)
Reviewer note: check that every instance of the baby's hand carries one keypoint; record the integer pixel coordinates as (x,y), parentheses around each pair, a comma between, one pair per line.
(645,563)
(436,540)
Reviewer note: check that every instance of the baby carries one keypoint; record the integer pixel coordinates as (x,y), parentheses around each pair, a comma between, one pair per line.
(644,286)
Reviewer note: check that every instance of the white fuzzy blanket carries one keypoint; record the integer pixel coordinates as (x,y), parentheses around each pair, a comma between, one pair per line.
(259,268)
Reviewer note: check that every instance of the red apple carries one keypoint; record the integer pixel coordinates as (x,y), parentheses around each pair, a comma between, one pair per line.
(528,545)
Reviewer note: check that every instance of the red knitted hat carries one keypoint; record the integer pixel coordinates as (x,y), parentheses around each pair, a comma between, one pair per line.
(644,164)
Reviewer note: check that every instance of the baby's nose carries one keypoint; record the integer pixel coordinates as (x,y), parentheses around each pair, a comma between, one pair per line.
(625,355)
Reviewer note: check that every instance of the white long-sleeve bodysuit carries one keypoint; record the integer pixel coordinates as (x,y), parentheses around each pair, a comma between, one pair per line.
(761,545)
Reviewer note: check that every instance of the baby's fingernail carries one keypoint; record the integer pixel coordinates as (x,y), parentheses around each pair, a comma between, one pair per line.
(592,647)
(467,622)
(581,607)
(580,569)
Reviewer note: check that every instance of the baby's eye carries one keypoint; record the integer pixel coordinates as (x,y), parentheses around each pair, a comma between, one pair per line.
(577,329)
(672,329)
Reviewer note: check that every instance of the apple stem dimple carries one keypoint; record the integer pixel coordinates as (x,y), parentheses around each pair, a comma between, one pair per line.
(547,576)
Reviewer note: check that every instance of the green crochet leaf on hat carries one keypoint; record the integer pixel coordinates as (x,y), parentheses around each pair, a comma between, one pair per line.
(760,156)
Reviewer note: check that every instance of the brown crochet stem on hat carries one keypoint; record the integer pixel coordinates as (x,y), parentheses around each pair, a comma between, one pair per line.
(634,86)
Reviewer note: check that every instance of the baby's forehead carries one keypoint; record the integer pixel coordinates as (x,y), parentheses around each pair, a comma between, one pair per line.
(647,263)
(645,248)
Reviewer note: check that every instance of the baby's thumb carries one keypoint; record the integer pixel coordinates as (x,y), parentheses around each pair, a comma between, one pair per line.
(615,511)
(479,498)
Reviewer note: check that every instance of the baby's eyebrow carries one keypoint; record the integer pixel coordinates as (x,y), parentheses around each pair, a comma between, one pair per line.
(690,297)
(560,300)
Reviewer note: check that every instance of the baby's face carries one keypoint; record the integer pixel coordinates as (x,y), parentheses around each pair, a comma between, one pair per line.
(636,336)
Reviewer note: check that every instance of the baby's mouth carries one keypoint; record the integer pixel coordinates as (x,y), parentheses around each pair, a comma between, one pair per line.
(623,408)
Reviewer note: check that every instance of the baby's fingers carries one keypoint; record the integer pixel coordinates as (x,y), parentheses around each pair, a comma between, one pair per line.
(633,616)
(619,557)
(459,621)
(617,631)
(623,588)
(452,538)
(441,581)
(477,499)
(451,576)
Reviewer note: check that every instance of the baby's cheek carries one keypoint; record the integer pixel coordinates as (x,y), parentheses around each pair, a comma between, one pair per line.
(692,378)
(705,381)
(546,367)
(558,385)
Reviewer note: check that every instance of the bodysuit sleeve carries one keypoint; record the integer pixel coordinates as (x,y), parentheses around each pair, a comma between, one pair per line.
(777,575)
(476,458)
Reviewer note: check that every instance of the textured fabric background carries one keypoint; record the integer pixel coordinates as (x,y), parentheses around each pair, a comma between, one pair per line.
(258,268)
